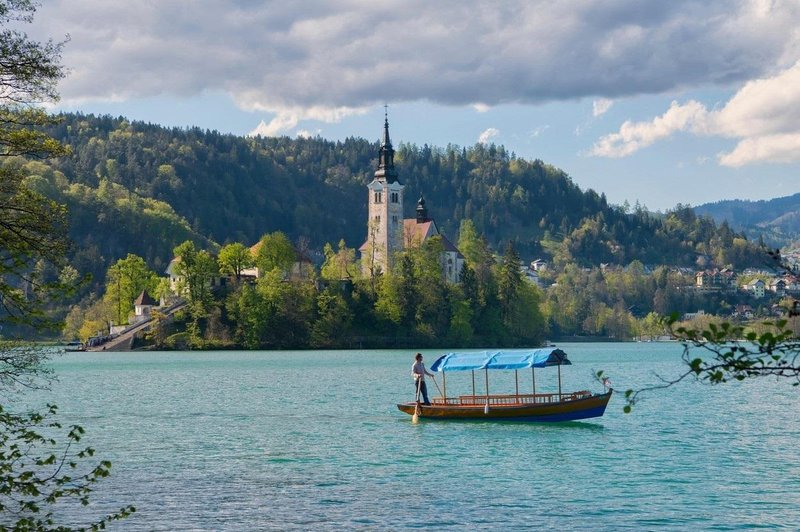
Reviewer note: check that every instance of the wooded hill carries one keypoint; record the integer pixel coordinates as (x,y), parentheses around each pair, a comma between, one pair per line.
(776,221)
(142,188)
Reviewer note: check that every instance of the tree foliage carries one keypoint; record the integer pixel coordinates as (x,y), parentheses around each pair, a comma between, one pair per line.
(275,251)
(32,227)
(196,268)
(36,473)
(125,280)
(233,259)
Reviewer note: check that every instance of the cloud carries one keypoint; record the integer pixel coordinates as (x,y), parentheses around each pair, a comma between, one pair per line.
(488,135)
(280,123)
(481,107)
(783,148)
(279,57)
(634,136)
(306,134)
(601,106)
(763,116)
(287,119)
(538,131)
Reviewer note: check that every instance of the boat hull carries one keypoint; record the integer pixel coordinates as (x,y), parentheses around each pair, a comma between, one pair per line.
(585,408)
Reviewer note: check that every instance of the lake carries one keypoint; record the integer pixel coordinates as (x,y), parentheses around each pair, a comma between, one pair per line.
(312,440)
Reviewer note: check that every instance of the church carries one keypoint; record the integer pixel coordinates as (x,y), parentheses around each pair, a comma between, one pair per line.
(387,231)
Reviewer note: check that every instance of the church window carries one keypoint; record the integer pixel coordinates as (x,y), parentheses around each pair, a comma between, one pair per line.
(395,197)
(379,197)
(394,220)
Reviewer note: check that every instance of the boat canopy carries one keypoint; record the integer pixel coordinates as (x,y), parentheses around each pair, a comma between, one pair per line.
(531,358)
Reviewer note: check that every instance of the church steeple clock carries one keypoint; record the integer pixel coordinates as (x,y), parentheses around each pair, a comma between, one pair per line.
(385,221)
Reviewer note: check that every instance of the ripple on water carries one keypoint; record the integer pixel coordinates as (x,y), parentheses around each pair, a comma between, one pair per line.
(313,441)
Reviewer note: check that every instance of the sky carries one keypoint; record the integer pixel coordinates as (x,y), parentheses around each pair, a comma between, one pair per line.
(652,102)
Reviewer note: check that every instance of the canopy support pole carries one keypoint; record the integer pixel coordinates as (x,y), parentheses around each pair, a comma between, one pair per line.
(533,378)
(487,386)
(473,383)
(559,382)
(516,382)
(444,386)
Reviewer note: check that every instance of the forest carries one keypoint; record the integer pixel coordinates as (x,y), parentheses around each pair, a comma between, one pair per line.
(143,189)
(234,189)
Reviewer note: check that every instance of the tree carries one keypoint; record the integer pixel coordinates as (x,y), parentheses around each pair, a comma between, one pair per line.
(340,264)
(370,256)
(509,280)
(333,322)
(197,270)
(21,367)
(32,227)
(35,472)
(275,250)
(233,259)
(125,280)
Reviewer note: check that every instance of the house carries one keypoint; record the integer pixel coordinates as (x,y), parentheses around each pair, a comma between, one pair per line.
(142,306)
(792,285)
(301,269)
(531,275)
(176,280)
(538,265)
(756,287)
(715,280)
(388,233)
(743,312)
(692,315)
(778,286)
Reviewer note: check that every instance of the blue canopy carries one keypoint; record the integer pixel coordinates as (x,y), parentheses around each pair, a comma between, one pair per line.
(531,358)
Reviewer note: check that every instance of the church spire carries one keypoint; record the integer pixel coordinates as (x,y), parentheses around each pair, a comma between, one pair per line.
(386,140)
(422,211)
(386,170)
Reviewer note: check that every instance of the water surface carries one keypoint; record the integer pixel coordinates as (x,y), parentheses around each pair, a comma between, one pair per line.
(312,440)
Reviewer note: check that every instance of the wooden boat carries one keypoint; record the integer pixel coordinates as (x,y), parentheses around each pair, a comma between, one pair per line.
(535,407)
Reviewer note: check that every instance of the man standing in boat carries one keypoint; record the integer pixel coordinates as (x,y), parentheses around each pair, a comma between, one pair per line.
(418,371)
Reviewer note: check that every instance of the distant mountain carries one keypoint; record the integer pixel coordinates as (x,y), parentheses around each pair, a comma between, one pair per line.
(776,221)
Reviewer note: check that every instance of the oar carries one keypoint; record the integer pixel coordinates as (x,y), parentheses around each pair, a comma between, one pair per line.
(437,386)
(415,417)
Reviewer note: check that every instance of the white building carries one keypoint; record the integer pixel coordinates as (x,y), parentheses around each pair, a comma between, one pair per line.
(756,287)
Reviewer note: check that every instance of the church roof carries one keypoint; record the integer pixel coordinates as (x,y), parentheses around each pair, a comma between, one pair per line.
(145,299)
(420,232)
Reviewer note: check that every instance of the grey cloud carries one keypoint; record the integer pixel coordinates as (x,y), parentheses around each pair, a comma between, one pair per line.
(348,54)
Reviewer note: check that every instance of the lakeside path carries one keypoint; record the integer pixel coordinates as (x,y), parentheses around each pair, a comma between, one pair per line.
(124,341)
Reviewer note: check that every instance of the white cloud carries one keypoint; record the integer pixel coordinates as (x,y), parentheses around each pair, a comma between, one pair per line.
(538,131)
(306,134)
(276,126)
(287,119)
(488,135)
(481,107)
(783,148)
(634,136)
(337,56)
(601,106)
(764,116)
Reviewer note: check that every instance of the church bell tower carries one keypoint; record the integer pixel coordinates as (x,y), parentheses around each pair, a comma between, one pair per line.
(385,219)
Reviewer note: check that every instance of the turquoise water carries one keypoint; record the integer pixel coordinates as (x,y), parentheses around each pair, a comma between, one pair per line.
(312,440)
